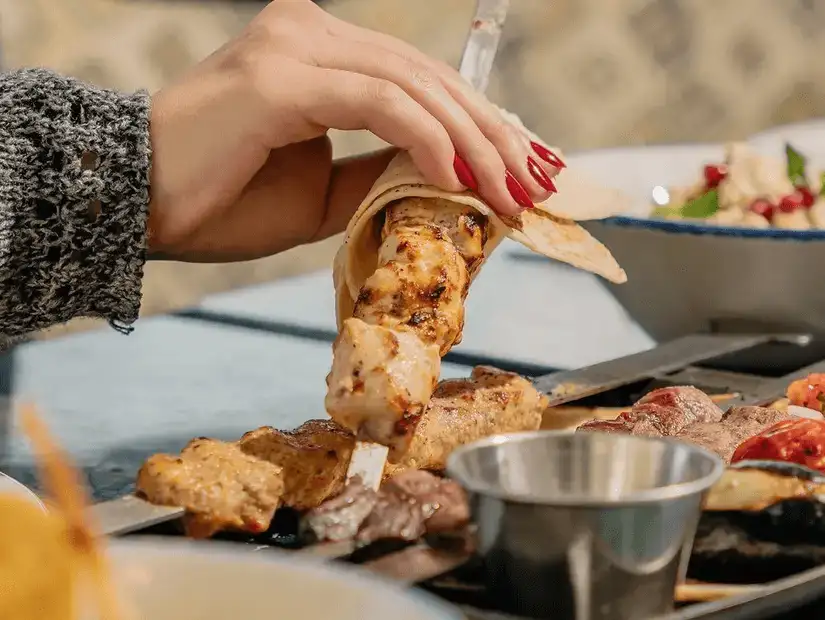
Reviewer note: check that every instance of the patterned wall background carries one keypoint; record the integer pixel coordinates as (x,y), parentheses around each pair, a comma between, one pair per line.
(582,73)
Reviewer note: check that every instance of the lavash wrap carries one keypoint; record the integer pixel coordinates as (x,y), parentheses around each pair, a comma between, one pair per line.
(549,229)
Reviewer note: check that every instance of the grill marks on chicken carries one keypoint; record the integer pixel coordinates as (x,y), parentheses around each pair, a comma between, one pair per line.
(464,410)
(429,250)
(239,485)
(409,313)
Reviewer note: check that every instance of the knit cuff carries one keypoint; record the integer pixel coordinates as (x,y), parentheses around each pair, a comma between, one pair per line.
(74,197)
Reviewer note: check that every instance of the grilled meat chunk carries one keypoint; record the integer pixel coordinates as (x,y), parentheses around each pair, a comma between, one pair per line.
(308,465)
(381,381)
(219,486)
(340,517)
(461,411)
(689,414)
(313,457)
(736,426)
(443,501)
(405,508)
(408,314)
(661,413)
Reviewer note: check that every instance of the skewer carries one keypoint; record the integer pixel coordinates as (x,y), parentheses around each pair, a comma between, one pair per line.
(369,459)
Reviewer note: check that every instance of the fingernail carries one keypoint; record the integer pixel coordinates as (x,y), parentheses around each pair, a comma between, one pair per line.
(547,155)
(518,192)
(540,175)
(464,174)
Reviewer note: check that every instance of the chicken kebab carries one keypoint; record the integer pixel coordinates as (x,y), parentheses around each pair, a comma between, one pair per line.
(239,485)
(409,257)
(402,274)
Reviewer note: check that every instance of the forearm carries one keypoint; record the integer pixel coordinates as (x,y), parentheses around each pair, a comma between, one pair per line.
(74,195)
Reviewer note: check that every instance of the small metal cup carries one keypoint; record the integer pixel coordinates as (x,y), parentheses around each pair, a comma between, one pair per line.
(584,525)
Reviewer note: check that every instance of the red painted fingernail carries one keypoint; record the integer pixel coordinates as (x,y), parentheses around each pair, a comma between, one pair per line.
(464,174)
(518,192)
(540,175)
(547,155)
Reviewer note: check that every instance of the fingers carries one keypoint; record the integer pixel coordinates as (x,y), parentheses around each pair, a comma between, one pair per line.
(350,101)
(485,170)
(535,173)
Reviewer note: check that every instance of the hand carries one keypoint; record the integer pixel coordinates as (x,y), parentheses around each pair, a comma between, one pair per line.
(242,166)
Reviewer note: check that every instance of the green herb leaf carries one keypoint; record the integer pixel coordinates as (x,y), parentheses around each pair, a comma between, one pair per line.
(822,185)
(666,211)
(704,206)
(796,167)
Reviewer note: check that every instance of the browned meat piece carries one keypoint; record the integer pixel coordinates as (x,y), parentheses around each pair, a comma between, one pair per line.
(309,463)
(341,517)
(380,382)
(688,414)
(379,386)
(219,486)
(738,424)
(461,411)
(444,500)
(428,249)
(663,412)
(313,458)
(404,508)
(693,404)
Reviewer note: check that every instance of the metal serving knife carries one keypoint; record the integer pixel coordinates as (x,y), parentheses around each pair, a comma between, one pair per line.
(369,459)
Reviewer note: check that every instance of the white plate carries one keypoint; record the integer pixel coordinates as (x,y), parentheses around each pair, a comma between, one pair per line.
(181,580)
(11,486)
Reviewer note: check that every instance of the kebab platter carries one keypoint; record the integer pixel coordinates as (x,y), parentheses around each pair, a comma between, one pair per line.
(406,265)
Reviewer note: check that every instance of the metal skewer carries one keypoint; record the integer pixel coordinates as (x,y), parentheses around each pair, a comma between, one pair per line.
(369,459)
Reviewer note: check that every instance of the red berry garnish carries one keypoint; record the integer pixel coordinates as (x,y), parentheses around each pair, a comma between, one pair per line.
(806,196)
(763,207)
(790,203)
(714,175)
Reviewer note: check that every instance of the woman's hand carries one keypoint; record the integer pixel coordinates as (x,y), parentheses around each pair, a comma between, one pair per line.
(242,166)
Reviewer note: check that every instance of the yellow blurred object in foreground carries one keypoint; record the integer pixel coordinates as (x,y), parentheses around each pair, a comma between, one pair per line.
(37,563)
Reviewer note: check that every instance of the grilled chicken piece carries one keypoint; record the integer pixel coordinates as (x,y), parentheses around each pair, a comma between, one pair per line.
(219,486)
(429,252)
(239,485)
(381,381)
(490,402)
(313,457)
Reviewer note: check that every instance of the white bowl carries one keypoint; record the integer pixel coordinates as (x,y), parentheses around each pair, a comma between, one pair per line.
(182,580)
(10,486)
(687,276)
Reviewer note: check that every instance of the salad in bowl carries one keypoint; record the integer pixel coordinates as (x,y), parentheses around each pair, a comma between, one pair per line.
(749,189)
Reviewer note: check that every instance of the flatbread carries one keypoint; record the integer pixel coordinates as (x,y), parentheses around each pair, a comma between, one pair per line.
(545,230)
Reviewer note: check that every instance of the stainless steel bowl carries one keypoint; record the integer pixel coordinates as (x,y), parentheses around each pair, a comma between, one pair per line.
(584,525)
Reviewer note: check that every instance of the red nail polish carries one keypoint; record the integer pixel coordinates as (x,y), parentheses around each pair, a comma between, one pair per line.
(518,192)
(547,155)
(540,175)
(464,174)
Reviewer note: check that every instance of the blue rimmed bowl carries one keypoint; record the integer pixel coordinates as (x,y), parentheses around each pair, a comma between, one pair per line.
(686,277)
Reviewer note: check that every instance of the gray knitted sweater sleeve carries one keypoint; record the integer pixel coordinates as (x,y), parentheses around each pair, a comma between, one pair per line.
(74,196)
